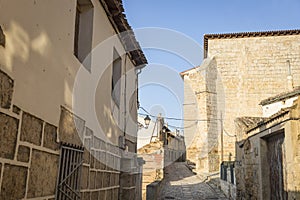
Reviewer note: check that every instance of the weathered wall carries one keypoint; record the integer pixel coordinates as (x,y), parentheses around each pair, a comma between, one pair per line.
(101,169)
(195,131)
(27,143)
(153,155)
(252,69)
(174,151)
(158,156)
(241,72)
(228,189)
(253,165)
(39,54)
(29,153)
(37,75)
(202,110)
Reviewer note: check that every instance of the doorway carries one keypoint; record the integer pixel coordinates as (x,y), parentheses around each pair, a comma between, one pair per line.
(275,159)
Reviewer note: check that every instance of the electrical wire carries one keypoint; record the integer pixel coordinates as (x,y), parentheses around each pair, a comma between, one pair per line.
(145,110)
(184,127)
(177,119)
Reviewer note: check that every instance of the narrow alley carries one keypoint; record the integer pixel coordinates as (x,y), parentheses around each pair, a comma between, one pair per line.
(180,183)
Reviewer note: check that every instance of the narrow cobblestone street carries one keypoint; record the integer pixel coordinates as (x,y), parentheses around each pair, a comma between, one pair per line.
(181,183)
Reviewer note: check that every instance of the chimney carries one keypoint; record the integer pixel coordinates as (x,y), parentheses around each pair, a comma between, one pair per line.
(290,82)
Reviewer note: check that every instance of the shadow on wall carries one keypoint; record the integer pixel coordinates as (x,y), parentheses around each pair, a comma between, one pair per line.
(28,57)
(38,55)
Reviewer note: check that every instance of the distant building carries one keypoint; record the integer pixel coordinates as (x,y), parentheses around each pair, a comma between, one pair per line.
(146,134)
(165,148)
(241,69)
(47,148)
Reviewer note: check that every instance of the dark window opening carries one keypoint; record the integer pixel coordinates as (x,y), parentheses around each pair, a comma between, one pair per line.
(2,37)
(116,77)
(84,32)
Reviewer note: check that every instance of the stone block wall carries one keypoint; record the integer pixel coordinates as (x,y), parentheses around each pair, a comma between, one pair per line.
(101,168)
(153,155)
(252,69)
(30,151)
(158,156)
(201,108)
(130,176)
(195,131)
(174,151)
(238,74)
(253,164)
(247,171)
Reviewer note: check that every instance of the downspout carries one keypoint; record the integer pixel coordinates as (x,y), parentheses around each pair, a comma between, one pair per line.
(125,88)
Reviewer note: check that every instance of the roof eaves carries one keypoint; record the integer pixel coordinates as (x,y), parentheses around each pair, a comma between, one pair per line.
(188,70)
(281,97)
(115,12)
(270,119)
(246,34)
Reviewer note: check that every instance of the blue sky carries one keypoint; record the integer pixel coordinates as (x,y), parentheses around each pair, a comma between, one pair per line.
(194,18)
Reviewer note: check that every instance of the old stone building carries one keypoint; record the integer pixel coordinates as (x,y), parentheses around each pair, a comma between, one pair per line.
(162,149)
(239,71)
(268,150)
(51,146)
(157,156)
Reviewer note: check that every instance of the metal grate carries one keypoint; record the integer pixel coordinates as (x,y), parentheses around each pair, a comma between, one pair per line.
(68,184)
(224,168)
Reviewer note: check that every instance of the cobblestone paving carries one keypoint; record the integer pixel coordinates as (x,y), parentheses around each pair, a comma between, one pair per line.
(181,183)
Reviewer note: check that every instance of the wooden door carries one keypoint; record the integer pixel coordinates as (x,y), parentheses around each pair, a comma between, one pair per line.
(275,157)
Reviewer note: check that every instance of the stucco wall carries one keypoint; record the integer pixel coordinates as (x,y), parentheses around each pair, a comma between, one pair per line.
(38,70)
(39,55)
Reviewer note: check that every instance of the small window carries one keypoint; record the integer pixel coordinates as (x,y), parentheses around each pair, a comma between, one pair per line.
(2,37)
(116,78)
(84,32)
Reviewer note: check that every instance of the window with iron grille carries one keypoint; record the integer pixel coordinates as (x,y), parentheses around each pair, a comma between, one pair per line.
(70,164)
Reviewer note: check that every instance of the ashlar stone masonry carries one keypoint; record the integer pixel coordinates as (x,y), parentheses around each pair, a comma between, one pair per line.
(245,69)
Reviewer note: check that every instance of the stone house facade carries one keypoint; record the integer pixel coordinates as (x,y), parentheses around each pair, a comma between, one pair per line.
(267,152)
(50,146)
(157,155)
(239,71)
